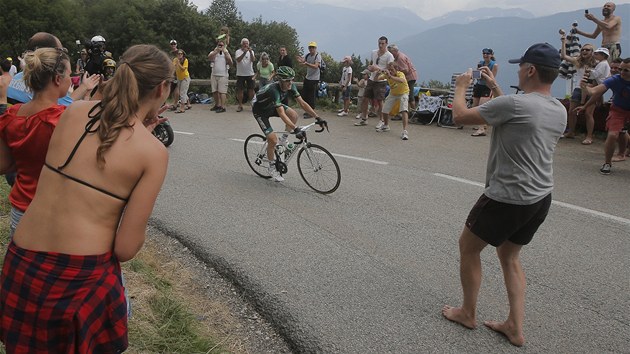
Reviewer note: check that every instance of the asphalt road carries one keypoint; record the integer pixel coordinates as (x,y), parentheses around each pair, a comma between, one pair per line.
(368,268)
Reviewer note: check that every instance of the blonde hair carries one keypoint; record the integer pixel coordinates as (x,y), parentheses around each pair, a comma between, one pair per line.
(42,65)
(586,62)
(141,69)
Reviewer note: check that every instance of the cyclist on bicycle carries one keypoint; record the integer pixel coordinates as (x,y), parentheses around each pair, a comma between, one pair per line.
(268,103)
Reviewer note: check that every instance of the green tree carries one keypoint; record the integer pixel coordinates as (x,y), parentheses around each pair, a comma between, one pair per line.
(224,13)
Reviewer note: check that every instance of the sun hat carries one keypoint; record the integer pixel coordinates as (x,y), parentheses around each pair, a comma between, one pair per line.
(540,54)
(603,51)
(312,44)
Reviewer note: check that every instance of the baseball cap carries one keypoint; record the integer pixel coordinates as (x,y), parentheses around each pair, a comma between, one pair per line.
(603,51)
(540,54)
(312,44)
(487,51)
(173,41)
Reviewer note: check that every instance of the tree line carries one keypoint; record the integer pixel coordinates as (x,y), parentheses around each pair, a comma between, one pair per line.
(124,23)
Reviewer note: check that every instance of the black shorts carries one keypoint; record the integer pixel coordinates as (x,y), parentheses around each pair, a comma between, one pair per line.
(481,91)
(496,222)
(242,81)
(262,118)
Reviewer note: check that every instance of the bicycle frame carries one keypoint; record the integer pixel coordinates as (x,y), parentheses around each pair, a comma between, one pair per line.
(316,165)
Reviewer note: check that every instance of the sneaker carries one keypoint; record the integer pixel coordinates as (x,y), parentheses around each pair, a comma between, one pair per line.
(605,170)
(275,175)
(340,110)
(219,110)
(214,108)
(383,128)
(379,125)
(371,114)
(358,116)
(404,135)
(361,122)
(342,114)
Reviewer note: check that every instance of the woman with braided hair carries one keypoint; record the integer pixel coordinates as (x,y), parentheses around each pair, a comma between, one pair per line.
(102,175)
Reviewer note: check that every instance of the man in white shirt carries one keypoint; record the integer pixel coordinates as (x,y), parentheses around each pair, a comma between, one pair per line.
(245,59)
(376,86)
(221,61)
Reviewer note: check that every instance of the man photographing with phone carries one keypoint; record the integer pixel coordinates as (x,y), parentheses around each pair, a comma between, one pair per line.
(609,27)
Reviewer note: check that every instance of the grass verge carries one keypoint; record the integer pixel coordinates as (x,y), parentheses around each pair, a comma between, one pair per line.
(169,313)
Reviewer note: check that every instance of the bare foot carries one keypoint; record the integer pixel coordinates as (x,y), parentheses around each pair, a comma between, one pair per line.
(512,335)
(456,314)
(618,158)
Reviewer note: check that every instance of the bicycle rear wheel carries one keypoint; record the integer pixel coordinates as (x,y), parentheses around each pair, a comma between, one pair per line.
(256,154)
(319,169)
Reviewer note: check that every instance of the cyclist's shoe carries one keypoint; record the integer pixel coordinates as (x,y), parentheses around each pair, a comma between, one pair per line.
(379,125)
(275,175)
(383,128)
(404,135)
(605,170)
(361,122)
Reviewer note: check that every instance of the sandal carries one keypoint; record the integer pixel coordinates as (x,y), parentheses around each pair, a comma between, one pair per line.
(587,142)
(618,158)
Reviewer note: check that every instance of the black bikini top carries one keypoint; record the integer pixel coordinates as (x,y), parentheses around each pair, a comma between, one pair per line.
(88,129)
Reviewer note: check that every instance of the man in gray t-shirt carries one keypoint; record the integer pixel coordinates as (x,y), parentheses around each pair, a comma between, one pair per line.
(311,61)
(519,181)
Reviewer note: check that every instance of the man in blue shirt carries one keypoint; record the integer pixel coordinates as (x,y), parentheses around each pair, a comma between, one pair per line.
(619,113)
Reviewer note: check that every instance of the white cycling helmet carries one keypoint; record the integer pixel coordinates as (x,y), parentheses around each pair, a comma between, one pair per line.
(96,39)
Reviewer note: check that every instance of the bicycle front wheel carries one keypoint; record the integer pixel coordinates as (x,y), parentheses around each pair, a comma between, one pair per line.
(256,154)
(319,169)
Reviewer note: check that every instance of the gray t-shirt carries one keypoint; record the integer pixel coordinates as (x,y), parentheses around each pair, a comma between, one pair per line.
(526,129)
(312,74)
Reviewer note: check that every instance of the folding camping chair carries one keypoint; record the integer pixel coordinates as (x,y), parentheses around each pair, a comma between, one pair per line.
(428,107)
(445,113)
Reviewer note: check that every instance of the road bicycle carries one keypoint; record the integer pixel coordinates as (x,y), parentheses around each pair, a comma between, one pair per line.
(316,165)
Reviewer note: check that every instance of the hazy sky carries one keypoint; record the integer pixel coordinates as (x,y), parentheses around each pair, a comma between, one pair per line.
(428,9)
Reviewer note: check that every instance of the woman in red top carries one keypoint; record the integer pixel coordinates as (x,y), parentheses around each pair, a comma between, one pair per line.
(25,129)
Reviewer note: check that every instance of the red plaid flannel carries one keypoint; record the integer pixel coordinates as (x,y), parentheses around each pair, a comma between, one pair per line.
(59,303)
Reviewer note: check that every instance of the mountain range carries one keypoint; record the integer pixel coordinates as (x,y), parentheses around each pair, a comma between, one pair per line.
(438,47)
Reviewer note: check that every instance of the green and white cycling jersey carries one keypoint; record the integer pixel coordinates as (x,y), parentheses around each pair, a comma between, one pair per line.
(270,97)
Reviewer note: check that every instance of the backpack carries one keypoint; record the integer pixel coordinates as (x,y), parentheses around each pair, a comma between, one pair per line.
(322,64)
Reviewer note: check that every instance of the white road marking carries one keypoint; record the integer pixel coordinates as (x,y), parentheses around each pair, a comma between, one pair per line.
(185,133)
(377,162)
(555,202)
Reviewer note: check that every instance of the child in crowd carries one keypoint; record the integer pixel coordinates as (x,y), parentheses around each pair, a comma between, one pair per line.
(365,74)
(398,92)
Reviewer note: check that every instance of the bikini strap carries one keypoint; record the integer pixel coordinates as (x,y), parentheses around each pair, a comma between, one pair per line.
(94,117)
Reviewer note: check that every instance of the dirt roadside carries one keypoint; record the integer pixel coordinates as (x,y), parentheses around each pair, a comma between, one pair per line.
(213,300)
